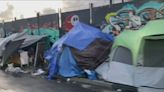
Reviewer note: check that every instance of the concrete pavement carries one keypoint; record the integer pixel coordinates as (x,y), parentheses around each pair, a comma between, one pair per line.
(8,83)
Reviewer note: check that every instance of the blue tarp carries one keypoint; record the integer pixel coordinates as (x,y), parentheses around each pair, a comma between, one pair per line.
(80,36)
(67,64)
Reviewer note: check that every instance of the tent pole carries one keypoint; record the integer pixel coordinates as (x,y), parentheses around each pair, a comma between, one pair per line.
(36,54)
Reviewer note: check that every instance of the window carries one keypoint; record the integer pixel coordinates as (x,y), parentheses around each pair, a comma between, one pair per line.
(154,53)
(123,55)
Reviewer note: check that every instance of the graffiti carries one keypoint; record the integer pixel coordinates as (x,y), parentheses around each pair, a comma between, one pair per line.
(69,22)
(120,20)
(51,33)
(129,17)
(162,9)
(35,26)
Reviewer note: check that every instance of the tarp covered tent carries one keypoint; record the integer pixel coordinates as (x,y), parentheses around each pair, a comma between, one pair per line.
(14,42)
(137,58)
(30,39)
(79,38)
(4,41)
(8,45)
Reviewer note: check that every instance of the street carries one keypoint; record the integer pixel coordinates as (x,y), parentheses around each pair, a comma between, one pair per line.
(27,83)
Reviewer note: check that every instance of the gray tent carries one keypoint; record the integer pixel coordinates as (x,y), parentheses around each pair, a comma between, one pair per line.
(137,59)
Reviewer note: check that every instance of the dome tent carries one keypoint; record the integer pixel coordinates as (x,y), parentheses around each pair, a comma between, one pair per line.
(137,55)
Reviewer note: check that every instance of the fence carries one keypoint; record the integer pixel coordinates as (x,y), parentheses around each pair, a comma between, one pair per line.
(97,14)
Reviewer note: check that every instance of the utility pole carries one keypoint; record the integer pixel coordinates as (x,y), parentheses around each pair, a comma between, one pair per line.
(122,1)
(61,31)
(110,2)
(38,21)
(91,13)
(60,17)
(3,27)
(15,18)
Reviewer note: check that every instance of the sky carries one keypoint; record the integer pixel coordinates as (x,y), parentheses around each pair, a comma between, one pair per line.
(28,8)
(24,9)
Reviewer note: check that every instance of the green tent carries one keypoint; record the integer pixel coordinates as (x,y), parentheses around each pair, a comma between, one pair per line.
(134,40)
(137,58)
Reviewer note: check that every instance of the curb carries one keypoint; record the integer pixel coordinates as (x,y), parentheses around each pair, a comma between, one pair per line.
(93,82)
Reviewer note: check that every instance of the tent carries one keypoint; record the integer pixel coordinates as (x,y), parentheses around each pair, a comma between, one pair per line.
(137,58)
(14,42)
(65,55)
(5,43)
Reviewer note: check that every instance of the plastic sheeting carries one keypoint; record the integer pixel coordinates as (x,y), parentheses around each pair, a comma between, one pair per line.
(15,41)
(79,37)
(62,64)
(6,40)
(92,56)
(67,64)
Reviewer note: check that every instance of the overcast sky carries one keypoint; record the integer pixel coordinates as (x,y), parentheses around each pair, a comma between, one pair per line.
(28,8)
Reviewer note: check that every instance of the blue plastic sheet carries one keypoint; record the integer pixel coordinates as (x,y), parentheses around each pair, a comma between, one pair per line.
(67,64)
(53,69)
(79,37)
